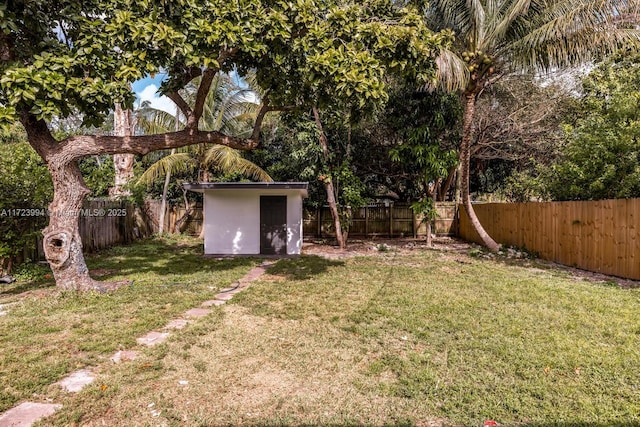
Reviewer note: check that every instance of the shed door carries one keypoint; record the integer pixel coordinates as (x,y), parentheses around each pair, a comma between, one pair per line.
(273,225)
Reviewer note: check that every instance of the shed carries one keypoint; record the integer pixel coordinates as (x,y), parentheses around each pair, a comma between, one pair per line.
(252,218)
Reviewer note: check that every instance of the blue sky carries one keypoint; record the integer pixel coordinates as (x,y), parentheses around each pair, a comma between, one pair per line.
(146,90)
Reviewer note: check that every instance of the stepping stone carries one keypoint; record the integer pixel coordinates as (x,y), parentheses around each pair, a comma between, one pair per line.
(27,413)
(177,324)
(197,312)
(124,356)
(77,381)
(2,311)
(224,297)
(152,338)
(212,302)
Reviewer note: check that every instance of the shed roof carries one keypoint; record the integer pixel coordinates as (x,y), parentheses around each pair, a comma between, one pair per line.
(201,186)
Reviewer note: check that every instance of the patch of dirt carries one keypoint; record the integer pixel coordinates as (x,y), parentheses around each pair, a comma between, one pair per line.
(450,247)
(357,247)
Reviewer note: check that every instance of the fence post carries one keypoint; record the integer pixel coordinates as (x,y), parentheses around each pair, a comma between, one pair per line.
(413,224)
(391,219)
(366,221)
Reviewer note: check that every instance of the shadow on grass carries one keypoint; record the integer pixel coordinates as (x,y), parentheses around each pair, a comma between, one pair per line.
(20,287)
(162,257)
(159,256)
(303,268)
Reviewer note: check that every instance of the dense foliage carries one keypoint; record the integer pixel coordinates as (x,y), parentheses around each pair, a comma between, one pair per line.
(25,191)
(601,155)
(87,53)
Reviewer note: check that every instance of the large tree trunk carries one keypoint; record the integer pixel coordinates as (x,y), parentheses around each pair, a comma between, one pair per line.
(465,160)
(123,163)
(62,243)
(328,184)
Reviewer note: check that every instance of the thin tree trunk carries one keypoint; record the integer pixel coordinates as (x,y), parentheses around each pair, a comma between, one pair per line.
(123,163)
(188,211)
(446,185)
(163,202)
(465,160)
(167,180)
(328,184)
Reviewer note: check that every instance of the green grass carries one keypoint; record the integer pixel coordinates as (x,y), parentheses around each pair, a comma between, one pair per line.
(47,334)
(425,338)
(473,339)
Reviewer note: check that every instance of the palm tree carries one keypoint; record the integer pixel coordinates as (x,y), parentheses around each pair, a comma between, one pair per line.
(494,38)
(229,109)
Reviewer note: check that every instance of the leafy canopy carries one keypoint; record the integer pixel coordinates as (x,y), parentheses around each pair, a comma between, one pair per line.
(58,58)
(601,156)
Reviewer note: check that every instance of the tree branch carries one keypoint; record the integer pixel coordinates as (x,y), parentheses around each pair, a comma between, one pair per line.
(264,109)
(77,147)
(182,105)
(201,97)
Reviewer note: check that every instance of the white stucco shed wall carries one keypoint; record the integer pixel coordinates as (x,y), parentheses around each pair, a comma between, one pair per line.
(232,220)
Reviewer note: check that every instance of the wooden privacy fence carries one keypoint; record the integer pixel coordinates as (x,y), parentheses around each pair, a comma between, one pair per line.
(376,220)
(192,224)
(380,220)
(601,236)
(102,224)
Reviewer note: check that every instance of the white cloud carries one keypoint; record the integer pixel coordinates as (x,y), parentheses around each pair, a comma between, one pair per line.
(150,93)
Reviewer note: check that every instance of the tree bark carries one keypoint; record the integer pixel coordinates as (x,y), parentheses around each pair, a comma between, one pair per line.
(123,163)
(328,184)
(62,243)
(465,160)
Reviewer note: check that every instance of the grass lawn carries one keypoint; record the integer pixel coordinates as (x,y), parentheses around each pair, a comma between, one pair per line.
(47,334)
(424,338)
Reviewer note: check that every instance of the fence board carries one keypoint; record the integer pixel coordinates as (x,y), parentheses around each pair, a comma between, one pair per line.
(601,236)
(102,224)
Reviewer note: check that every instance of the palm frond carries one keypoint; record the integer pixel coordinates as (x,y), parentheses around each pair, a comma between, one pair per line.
(476,22)
(572,32)
(452,73)
(173,163)
(230,160)
(153,121)
(452,14)
(504,19)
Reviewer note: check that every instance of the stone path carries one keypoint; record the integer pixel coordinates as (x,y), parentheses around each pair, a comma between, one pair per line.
(27,413)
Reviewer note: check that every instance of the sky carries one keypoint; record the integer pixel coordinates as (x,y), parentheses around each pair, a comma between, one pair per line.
(146,90)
